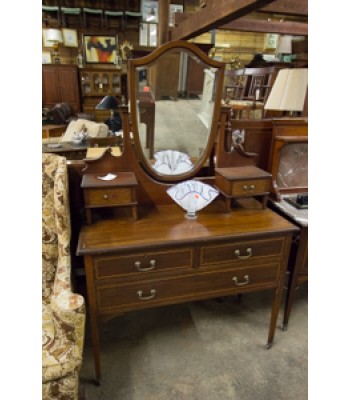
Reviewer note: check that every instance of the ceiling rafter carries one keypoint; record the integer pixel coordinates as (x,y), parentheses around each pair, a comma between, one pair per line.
(256,25)
(215,14)
(288,7)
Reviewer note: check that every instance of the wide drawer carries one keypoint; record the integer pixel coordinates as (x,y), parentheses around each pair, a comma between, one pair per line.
(148,293)
(250,187)
(108,196)
(142,263)
(247,251)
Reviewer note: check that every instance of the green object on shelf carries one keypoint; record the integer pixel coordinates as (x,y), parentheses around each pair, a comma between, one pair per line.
(71,11)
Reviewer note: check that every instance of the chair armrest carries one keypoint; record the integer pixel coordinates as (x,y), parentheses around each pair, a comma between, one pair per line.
(69,308)
(67,304)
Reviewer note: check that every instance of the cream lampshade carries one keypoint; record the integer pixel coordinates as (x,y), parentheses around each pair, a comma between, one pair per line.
(289,90)
(284,46)
(55,36)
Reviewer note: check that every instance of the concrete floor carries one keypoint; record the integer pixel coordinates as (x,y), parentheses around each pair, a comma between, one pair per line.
(205,350)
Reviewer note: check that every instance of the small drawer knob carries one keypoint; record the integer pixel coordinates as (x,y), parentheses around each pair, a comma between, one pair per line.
(249,188)
(105,196)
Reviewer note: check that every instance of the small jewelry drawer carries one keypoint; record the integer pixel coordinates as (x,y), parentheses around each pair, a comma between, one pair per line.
(241,251)
(141,263)
(118,191)
(108,196)
(149,293)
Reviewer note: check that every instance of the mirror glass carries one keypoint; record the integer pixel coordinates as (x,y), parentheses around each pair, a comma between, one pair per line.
(293,166)
(175,97)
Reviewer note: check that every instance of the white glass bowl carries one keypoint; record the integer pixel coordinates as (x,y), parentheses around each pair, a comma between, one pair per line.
(192,196)
(172,162)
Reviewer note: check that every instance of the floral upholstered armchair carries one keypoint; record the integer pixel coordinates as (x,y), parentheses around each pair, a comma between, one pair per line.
(63,312)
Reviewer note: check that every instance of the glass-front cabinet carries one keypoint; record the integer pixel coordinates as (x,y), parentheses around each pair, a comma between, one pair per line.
(96,82)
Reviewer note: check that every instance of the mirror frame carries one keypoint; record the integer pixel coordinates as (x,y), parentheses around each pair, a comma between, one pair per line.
(132,90)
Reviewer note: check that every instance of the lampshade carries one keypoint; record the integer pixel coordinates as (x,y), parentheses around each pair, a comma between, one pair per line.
(285,45)
(107,103)
(54,35)
(289,90)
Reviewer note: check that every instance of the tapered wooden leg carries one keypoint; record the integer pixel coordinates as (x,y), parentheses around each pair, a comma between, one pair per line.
(95,337)
(276,304)
(293,280)
(274,315)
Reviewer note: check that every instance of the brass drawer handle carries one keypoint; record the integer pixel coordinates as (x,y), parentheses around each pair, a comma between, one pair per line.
(152,264)
(105,196)
(151,296)
(249,254)
(245,282)
(249,188)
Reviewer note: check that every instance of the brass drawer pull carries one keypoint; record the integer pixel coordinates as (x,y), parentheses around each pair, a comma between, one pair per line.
(151,296)
(249,188)
(245,282)
(249,254)
(152,264)
(105,196)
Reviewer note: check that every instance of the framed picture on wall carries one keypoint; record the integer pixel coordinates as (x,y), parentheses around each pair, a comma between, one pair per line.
(70,37)
(99,49)
(271,41)
(149,11)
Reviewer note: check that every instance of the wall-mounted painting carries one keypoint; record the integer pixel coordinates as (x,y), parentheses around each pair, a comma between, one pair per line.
(70,37)
(271,41)
(100,49)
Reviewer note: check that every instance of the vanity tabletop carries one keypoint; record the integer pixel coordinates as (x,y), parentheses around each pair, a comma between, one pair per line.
(167,225)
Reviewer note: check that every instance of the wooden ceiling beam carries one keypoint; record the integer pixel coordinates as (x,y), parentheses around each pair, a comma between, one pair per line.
(215,14)
(288,7)
(256,25)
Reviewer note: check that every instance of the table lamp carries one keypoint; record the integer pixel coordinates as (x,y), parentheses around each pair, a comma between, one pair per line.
(289,91)
(284,47)
(110,103)
(54,36)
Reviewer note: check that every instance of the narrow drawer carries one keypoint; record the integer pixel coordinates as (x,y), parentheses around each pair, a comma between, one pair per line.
(250,187)
(107,196)
(148,293)
(246,251)
(142,263)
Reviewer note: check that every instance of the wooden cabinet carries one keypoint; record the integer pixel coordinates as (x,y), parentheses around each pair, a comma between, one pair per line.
(100,82)
(60,83)
(96,83)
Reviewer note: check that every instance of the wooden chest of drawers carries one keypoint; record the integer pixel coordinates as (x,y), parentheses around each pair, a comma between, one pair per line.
(163,258)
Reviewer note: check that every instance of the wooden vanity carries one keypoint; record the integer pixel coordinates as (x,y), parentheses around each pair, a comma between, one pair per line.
(162,258)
